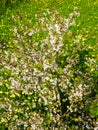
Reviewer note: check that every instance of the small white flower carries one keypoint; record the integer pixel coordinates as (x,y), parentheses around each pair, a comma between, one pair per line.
(15,30)
(71,15)
(52,40)
(75,8)
(57,28)
(31,33)
(25,33)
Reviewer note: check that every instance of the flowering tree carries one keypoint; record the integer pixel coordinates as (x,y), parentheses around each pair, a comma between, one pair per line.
(48,76)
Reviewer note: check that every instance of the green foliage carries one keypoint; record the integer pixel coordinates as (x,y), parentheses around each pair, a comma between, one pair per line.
(44,83)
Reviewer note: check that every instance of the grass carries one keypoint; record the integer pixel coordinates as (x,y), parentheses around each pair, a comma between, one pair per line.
(20,17)
(88,19)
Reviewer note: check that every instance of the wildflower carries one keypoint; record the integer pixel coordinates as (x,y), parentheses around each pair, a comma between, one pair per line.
(15,30)
(23,92)
(15,116)
(18,110)
(4,120)
(1,92)
(18,94)
(12,95)
(31,33)
(57,28)
(7,85)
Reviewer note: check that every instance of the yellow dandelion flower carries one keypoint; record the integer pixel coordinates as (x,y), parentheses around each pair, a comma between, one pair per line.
(1,92)
(92,70)
(4,120)
(18,110)
(15,116)
(67,106)
(12,96)
(7,85)
(5,80)
(18,94)
(22,92)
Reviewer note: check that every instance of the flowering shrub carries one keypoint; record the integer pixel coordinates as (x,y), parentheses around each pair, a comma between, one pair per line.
(48,76)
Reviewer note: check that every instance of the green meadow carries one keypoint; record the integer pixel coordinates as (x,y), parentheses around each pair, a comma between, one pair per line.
(48,65)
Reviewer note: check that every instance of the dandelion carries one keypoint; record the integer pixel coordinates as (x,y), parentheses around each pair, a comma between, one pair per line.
(15,117)
(18,94)
(1,92)
(4,120)
(12,95)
